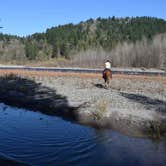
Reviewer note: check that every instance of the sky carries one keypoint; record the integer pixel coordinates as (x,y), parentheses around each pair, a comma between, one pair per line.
(25,17)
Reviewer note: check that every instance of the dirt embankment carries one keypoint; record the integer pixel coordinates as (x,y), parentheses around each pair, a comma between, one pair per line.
(133,104)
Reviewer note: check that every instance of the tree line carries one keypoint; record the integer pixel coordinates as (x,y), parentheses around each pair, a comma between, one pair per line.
(70,40)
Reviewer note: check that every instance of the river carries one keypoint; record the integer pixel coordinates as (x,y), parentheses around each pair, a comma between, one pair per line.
(32,138)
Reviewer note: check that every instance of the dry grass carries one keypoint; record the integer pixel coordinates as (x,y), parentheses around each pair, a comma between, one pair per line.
(100,109)
(81,75)
(54,62)
(49,73)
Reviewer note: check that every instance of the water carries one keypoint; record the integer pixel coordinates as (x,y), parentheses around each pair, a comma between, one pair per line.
(36,139)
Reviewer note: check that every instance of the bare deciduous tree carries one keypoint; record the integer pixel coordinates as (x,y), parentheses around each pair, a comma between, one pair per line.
(144,53)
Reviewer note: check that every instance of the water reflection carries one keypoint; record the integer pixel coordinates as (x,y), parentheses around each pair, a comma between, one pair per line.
(37,139)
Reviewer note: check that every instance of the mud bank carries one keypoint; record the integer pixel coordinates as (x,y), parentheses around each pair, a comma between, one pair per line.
(131,106)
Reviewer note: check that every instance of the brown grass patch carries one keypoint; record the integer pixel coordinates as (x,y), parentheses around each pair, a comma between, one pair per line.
(73,74)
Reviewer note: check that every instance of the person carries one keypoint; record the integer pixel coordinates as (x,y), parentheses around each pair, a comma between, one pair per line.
(107,66)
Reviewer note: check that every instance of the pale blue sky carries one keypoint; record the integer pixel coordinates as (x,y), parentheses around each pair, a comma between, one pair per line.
(24,17)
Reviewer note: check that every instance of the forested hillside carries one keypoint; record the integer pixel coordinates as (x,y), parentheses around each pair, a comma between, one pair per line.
(136,42)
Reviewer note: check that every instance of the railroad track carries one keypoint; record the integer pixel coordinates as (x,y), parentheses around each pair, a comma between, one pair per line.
(86,70)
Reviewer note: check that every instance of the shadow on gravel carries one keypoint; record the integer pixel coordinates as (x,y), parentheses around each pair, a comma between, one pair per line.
(148,102)
(99,86)
(26,93)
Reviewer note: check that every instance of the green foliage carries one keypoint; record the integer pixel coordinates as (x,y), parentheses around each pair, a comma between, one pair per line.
(104,33)
(30,50)
(6,37)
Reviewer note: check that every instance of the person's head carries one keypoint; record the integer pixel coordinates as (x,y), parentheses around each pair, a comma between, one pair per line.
(108,61)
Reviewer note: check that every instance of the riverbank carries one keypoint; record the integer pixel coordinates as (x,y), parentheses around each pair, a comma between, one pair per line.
(124,71)
(134,106)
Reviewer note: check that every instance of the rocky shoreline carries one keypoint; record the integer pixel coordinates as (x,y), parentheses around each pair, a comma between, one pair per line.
(132,106)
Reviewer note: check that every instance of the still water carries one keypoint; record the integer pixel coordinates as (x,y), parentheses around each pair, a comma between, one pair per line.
(33,138)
